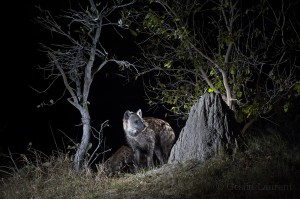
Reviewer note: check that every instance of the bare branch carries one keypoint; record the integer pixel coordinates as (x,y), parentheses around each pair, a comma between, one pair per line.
(65,80)
(46,89)
(99,137)
(77,56)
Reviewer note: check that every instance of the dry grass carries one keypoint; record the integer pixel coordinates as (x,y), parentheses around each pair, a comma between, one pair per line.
(267,169)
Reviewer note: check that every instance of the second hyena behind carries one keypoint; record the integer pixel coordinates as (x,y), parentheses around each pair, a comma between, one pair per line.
(121,160)
(148,135)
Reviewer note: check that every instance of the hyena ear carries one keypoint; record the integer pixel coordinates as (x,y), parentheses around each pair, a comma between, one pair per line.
(139,113)
(126,115)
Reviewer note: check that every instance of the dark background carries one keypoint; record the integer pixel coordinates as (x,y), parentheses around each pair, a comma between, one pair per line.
(22,122)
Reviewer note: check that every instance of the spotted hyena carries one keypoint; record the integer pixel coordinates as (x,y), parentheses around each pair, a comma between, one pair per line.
(121,160)
(149,136)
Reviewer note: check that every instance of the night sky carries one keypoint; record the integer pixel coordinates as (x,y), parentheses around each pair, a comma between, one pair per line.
(21,121)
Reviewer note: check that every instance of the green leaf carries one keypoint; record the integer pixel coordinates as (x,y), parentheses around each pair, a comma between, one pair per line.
(210,90)
(239,94)
(247,71)
(89,146)
(175,19)
(232,70)
(286,107)
(173,108)
(297,87)
(248,110)
(71,147)
(186,106)
(133,33)
(168,64)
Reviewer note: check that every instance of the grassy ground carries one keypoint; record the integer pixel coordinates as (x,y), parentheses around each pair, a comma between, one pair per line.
(268,168)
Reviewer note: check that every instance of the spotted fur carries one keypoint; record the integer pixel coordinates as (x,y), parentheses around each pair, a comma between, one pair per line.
(149,136)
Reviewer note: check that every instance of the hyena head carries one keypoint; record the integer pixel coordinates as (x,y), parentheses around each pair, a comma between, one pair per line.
(133,123)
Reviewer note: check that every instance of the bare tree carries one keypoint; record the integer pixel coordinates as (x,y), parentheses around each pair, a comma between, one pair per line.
(246,51)
(79,56)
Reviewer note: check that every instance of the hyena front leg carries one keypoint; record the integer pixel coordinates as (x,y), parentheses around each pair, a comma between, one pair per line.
(159,155)
(150,159)
(137,157)
(150,152)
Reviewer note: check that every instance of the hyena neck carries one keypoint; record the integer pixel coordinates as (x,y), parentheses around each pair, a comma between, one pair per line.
(134,134)
(131,133)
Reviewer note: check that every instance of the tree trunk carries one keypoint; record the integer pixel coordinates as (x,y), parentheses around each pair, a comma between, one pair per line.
(208,130)
(82,149)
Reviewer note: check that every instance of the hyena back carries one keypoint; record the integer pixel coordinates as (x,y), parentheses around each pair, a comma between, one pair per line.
(148,135)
